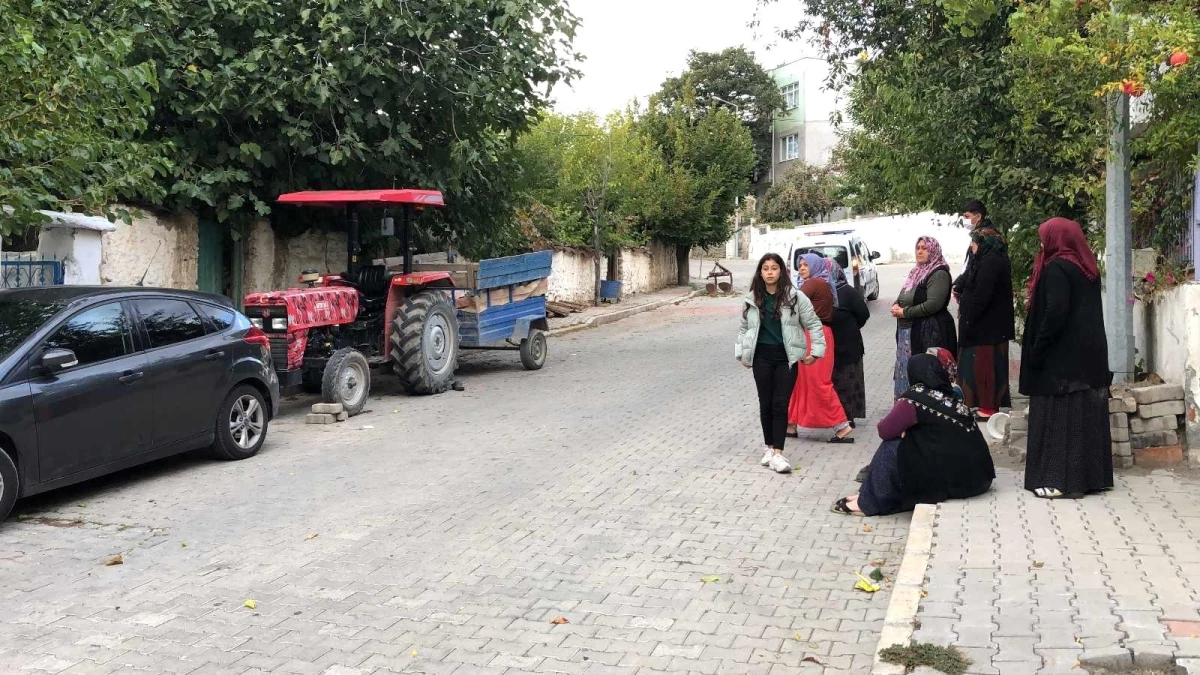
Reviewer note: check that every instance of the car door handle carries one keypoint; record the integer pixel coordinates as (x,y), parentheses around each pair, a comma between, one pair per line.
(130,376)
(213,356)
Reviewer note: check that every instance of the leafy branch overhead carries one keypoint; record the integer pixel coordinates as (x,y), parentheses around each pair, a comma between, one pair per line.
(74,105)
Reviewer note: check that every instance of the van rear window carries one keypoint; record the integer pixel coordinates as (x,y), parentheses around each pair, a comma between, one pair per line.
(838,253)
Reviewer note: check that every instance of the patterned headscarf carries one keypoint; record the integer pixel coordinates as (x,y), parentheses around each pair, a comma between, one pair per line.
(945,358)
(839,277)
(936,262)
(989,240)
(821,268)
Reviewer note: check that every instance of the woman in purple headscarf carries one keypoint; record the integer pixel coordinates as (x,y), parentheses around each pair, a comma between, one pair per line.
(923,320)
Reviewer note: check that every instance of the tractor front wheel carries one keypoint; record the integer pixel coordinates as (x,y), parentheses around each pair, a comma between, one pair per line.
(424,343)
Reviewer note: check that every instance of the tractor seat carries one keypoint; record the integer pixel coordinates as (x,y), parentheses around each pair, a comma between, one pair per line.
(372,281)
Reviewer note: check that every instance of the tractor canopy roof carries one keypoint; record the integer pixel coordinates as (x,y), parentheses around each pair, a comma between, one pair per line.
(363,197)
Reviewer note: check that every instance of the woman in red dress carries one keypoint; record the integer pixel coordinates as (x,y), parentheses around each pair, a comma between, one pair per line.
(815,403)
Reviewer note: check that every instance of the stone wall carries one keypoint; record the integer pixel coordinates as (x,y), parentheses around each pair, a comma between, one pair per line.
(315,249)
(649,268)
(164,247)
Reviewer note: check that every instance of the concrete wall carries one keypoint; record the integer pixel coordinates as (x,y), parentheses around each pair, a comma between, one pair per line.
(643,270)
(163,247)
(81,253)
(1167,335)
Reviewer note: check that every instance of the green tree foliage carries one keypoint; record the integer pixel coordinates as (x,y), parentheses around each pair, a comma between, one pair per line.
(708,158)
(803,193)
(733,80)
(1004,101)
(577,171)
(261,97)
(73,104)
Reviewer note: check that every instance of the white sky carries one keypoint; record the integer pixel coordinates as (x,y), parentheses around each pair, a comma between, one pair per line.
(633,45)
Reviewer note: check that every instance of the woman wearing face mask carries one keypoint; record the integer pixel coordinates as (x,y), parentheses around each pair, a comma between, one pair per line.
(922,319)
(773,337)
(815,403)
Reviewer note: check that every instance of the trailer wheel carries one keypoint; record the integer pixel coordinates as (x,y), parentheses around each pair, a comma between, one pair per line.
(424,343)
(347,380)
(533,350)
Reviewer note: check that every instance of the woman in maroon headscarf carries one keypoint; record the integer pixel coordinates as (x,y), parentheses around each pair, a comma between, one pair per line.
(1064,368)
(815,403)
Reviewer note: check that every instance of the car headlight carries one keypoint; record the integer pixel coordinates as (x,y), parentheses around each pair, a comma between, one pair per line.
(279,323)
(257,323)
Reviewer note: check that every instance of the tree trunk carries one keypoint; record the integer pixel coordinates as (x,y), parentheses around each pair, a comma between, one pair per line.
(599,253)
(685,264)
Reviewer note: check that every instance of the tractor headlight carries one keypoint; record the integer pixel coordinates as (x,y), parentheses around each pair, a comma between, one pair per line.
(257,323)
(279,323)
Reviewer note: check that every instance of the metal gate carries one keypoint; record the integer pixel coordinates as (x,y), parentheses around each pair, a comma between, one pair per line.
(25,270)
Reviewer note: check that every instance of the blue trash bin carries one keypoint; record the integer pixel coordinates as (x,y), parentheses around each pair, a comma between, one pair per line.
(610,290)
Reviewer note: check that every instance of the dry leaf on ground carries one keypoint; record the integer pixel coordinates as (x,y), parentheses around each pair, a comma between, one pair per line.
(312,536)
(812,659)
(251,604)
(559,620)
(117,559)
(710,580)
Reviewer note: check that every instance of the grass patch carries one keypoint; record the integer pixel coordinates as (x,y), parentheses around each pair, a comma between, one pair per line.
(945,659)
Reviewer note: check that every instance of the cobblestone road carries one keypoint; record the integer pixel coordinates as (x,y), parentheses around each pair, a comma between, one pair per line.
(444,534)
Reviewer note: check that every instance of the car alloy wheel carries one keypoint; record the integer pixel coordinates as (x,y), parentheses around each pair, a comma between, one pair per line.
(247,420)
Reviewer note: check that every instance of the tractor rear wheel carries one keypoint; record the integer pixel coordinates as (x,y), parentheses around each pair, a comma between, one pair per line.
(424,343)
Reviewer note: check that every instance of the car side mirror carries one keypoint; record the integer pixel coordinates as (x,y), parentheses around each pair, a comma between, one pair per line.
(875,255)
(55,360)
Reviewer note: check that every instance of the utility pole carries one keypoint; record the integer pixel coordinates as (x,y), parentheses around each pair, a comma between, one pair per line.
(1118,267)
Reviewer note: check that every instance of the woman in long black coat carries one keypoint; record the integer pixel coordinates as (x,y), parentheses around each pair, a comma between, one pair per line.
(1064,369)
(849,316)
(985,324)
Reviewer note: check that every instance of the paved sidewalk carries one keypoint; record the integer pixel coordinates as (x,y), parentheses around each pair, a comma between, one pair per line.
(1025,585)
(610,312)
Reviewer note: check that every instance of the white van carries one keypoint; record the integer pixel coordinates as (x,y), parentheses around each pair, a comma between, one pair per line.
(847,248)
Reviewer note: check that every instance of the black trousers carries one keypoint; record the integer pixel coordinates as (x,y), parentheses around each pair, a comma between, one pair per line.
(775,379)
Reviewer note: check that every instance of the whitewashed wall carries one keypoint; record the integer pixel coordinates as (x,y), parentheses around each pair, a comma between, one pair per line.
(163,247)
(81,253)
(648,269)
(1167,334)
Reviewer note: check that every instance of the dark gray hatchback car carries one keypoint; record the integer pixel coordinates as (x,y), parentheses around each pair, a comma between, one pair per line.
(98,379)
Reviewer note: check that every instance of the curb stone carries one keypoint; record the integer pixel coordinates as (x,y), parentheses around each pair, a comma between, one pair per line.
(613,317)
(906,593)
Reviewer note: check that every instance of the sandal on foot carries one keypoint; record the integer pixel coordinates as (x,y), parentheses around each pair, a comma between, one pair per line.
(1049,493)
(841,439)
(841,506)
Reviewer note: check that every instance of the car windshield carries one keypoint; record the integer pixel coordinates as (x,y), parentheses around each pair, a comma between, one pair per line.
(19,319)
(838,253)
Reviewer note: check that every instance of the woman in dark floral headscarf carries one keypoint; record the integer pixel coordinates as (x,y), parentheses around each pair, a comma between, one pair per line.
(922,318)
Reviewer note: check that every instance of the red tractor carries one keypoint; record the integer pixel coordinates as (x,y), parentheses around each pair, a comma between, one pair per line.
(326,337)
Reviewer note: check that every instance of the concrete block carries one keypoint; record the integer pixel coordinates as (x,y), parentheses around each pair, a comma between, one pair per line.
(343,416)
(1158,457)
(1160,409)
(1157,394)
(1153,439)
(1018,424)
(1139,425)
(327,408)
(1118,421)
(1119,435)
(1122,449)
(1120,405)
(320,418)
(1122,462)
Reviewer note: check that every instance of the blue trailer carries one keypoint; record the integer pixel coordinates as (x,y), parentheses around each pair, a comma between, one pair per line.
(503,306)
